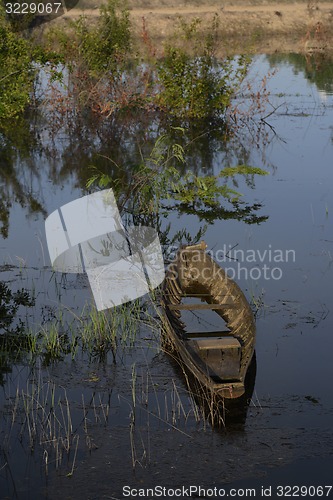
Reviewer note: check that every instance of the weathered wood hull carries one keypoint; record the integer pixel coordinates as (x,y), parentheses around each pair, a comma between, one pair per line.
(218,360)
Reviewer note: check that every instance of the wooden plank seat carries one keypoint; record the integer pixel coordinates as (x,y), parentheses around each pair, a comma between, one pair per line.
(222,355)
(193,335)
(192,307)
(218,343)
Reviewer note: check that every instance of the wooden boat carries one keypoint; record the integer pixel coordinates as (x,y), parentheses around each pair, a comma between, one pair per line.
(218,360)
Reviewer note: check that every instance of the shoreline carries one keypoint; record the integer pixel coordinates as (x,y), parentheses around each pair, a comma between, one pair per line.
(244,26)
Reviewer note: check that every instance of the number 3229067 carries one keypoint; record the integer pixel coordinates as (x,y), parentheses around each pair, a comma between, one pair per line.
(303,491)
(32,8)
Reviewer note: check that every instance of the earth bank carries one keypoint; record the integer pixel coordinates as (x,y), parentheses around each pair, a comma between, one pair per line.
(255,26)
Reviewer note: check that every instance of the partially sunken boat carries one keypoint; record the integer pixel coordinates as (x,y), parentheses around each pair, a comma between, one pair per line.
(218,360)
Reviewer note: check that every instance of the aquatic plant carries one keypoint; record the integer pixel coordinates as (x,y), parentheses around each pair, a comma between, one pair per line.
(257,302)
(95,334)
(50,425)
(101,332)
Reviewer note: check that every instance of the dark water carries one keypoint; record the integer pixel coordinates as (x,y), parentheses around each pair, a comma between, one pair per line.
(284,265)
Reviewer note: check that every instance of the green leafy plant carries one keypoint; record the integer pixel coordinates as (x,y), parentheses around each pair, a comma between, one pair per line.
(16,71)
(105,46)
(194,84)
(188,82)
(95,57)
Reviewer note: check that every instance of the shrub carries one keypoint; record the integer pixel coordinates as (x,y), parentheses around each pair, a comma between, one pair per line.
(105,46)
(194,84)
(16,71)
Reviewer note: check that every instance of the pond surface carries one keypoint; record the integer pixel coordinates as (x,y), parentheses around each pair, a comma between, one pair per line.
(86,427)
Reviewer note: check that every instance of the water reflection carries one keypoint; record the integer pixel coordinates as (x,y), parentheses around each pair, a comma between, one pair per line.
(31,156)
(317,69)
(225,413)
(20,177)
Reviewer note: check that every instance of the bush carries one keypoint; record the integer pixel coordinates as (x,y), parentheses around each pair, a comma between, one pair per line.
(194,83)
(104,47)
(16,71)
(189,82)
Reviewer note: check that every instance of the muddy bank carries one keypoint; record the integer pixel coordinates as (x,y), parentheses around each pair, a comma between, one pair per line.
(244,25)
